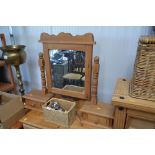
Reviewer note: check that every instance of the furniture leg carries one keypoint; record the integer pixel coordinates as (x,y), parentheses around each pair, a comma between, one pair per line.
(120,117)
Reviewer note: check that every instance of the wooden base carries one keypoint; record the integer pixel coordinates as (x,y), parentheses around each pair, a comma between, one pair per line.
(35,120)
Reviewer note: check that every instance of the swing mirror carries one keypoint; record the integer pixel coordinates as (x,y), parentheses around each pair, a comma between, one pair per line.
(68,64)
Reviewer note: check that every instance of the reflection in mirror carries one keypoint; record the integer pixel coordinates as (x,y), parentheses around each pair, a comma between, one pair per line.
(68,69)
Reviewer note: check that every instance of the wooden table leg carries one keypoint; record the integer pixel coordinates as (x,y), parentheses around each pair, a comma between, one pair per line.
(120,118)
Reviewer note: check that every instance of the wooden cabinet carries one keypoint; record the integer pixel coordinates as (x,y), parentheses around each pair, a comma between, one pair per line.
(131,112)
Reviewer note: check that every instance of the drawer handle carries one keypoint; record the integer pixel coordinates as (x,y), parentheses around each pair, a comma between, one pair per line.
(122,97)
(121,108)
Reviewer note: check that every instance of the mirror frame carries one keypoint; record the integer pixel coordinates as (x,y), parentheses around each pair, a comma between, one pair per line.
(66,41)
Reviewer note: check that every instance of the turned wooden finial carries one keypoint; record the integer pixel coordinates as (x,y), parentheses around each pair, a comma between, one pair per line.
(42,69)
(95,80)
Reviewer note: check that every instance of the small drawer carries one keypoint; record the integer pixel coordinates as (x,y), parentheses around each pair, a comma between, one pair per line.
(98,121)
(34,105)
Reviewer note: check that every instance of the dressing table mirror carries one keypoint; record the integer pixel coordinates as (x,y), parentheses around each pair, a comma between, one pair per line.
(68,75)
(68,64)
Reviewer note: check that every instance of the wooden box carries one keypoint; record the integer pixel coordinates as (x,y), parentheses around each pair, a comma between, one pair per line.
(60,118)
(99,116)
(11,109)
(34,100)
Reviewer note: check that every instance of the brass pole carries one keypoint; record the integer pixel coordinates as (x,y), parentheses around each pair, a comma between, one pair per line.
(20,82)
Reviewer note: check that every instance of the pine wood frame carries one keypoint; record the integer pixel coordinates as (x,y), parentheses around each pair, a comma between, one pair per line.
(67,41)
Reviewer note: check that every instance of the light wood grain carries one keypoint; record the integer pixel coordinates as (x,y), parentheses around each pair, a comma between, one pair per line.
(95,80)
(36,95)
(99,116)
(67,38)
(42,70)
(35,99)
(103,110)
(36,119)
(120,118)
(129,110)
(122,90)
(66,41)
(141,115)
(136,123)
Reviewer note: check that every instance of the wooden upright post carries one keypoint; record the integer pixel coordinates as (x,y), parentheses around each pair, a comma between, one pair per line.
(95,80)
(42,69)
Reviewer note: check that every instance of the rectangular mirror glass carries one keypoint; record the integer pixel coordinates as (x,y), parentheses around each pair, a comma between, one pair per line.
(67,69)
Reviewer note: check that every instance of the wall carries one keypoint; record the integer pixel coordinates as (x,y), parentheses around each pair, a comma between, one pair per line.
(116,47)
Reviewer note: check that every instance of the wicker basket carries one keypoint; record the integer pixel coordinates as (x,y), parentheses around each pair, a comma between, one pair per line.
(142,84)
(60,118)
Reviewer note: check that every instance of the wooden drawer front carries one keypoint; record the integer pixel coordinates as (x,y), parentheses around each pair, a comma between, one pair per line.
(141,115)
(98,121)
(140,120)
(135,123)
(29,104)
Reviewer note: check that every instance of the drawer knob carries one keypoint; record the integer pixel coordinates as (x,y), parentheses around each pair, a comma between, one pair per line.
(121,108)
